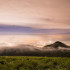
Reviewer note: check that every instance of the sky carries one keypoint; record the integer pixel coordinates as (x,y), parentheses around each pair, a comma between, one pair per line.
(36,22)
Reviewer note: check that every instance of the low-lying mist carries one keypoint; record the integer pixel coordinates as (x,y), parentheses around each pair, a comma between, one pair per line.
(30,50)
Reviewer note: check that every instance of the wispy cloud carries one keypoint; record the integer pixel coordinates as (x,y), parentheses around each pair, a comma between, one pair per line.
(43,11)
(11,29)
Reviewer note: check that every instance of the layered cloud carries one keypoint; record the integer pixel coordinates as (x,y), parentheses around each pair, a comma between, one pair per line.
(34,21)
(36,13)
(13,29)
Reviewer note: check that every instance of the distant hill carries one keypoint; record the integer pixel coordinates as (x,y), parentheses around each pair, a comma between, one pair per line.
(57,49)
(57,44)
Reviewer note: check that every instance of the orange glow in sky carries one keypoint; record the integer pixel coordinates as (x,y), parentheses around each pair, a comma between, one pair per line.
(41,16)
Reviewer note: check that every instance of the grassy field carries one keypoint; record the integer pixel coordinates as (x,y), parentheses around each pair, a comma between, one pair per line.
(34,63)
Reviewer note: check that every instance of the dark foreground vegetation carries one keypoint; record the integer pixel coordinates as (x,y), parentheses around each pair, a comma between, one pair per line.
(34,63)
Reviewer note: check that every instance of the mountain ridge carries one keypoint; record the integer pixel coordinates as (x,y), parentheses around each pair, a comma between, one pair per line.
(57,44)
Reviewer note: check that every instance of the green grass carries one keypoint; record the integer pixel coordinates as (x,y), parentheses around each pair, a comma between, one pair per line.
(34,63)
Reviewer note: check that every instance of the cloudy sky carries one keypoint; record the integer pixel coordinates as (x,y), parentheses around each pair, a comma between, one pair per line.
(36,22)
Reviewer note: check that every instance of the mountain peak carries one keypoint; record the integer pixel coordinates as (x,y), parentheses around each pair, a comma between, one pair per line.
(57,44)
